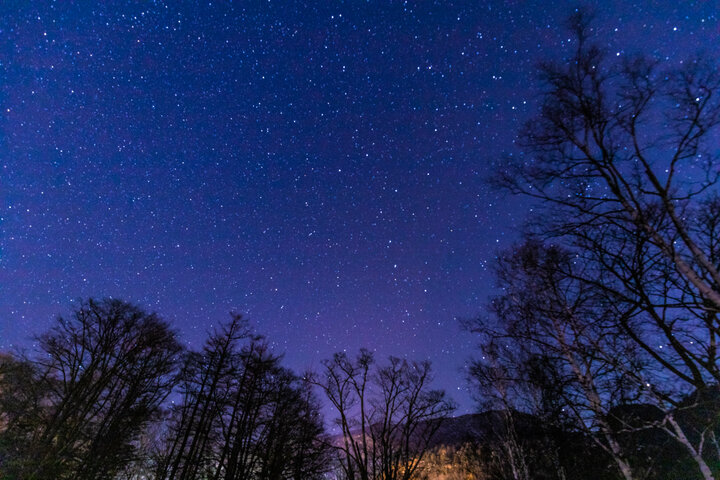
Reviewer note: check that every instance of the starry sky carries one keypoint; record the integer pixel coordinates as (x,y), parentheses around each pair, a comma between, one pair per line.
(318,166)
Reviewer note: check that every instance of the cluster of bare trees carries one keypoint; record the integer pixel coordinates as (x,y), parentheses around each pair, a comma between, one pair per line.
(387,415)
(608,317)
(242,415)
(110,393)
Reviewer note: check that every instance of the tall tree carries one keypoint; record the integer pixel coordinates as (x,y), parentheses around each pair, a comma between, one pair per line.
(623,157)
(204,388)
(547,317)
(626,145)
(76,408)
(242,415)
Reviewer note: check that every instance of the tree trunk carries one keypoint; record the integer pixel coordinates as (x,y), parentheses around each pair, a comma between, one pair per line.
(678,433)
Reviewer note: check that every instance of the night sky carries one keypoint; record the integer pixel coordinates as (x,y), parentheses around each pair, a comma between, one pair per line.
(318,166)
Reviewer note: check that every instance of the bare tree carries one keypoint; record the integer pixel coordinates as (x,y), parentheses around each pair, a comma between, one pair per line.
(544,314)
(622,156)
(271,427)
(388,415)
(204,389)
(76,408)
(242,415)
(628,146)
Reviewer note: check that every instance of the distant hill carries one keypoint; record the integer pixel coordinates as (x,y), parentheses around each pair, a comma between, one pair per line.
(471,428)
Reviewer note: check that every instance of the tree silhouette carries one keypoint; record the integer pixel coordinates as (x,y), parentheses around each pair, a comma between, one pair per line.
(552,339)
(242,415)
(623,160)
(75,409)
(388,415)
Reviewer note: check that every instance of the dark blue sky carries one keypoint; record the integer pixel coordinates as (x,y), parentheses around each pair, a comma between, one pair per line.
(319,166)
